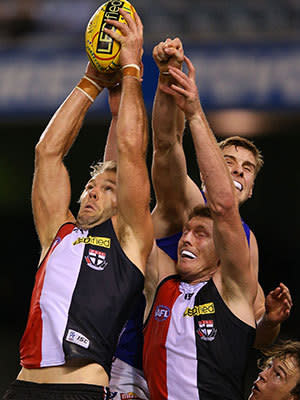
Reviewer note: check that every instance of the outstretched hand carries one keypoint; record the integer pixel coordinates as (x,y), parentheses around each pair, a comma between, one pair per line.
(130,39)
(278,304)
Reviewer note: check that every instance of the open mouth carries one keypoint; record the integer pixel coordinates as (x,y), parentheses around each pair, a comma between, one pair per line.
(255,388)
(187,254)
(238,185)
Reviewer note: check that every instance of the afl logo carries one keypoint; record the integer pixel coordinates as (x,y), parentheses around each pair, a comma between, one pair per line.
(161,313)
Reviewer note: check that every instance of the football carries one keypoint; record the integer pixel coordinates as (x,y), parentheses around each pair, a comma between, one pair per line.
(104,52)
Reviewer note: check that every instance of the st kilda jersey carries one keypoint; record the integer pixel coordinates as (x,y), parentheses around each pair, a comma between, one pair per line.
(194,346)
(83,294)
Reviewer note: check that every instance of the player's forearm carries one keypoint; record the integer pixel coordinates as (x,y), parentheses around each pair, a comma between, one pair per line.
(167,119)
(169,171)
(211,163)
(266,332)
(110,152)
(65,124)
(132,118)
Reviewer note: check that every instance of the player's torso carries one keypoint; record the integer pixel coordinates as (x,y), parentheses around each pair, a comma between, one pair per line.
(83,291)
(194,346)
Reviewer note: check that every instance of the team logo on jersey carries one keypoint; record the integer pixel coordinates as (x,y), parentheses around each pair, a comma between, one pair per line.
(201,309)
(207,331)
(96,259)
(77,338)
(94,240)
(161,313)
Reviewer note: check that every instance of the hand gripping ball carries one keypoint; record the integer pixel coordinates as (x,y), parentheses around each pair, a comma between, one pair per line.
(104,52)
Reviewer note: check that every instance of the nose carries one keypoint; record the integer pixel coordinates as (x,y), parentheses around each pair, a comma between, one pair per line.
(262,375)
(93,194)
(237,170)
(187,236)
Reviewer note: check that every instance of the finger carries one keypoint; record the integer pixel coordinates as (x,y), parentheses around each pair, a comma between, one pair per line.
(287,308)
(283,287)
(286,290)
(180,76)
(170,51)
(158,52)
(177,43)
(167,89)
(288,300)
(137,20)
(113,34)
(131,22)
(123,28)
(276,291)
(288,296)
(191,68)
(180,90)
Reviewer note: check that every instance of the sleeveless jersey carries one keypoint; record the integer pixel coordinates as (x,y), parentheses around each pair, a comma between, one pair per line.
(194,346)
(84,291)
(130,345)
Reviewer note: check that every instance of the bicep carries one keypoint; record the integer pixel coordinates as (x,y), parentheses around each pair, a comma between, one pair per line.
(51,195)
(232,248)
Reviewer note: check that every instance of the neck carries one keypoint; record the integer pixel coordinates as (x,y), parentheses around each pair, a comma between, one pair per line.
(193,280)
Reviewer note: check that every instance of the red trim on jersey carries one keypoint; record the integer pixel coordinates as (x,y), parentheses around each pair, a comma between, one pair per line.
(31,342)
(155,336)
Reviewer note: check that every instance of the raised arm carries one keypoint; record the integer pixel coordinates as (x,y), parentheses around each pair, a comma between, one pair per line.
(51,191)
(237,277)
(114,97)
(133,186)
(175,192)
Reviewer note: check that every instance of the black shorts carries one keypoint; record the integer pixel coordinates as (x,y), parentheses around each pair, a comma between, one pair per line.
(21,390)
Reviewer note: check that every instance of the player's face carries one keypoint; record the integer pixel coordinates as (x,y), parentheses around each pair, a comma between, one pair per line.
(241,163)
(197,257)
(98,201)
(276,381)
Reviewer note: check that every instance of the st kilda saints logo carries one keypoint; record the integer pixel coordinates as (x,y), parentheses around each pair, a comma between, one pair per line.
(96,259)
(206,330)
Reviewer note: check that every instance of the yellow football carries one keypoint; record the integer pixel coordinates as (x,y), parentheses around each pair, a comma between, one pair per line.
(104,52)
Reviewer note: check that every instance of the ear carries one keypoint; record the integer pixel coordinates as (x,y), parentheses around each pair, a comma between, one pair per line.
(251,191)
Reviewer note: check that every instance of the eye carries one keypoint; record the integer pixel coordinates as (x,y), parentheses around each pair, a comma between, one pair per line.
(248,168)
(200,234)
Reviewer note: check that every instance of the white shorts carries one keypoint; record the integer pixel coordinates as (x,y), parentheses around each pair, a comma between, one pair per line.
(127,382)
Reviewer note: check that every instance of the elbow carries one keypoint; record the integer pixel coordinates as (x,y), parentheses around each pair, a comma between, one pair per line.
(45,150)
(224,205)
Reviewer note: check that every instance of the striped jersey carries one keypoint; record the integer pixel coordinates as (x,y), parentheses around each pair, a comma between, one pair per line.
(82,297)
(194,346)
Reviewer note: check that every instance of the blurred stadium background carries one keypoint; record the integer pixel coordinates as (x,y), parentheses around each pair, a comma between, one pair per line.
(247,55)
